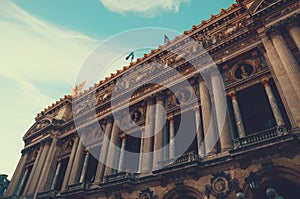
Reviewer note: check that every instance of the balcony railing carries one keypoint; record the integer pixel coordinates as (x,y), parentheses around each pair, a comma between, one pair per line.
(47,194)
(188,157)
(79,186)
(260,137)
(119,176)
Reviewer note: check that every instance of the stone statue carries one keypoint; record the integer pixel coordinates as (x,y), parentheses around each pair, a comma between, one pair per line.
(3,184)
(244,72)
(77,89)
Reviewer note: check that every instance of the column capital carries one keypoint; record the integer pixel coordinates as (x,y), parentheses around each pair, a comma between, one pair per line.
(232,94)
(171,117)
(274,30)
(160,96)
(46,141)
(59,142)
(123,136)
(102,122)
(293,22)
(261,48)
(149,100)
(265,82)
(198,77)
(109,118)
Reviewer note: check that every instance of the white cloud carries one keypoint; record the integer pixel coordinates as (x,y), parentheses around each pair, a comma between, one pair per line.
(34,54)
(147,8)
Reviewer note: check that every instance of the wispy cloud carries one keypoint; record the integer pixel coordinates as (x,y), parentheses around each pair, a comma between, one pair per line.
(146,8)
(34,54)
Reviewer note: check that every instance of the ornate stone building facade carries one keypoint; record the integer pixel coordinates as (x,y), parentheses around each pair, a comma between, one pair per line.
(256,46)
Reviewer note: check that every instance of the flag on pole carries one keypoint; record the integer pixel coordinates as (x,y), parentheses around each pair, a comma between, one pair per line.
(131,55)
(167,40)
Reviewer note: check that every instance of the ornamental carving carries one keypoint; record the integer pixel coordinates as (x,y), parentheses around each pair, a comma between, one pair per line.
(33,155)
(221,185)
(183,96)
(103,96)
(207,38)
(86,104)
(243,71)
(147,194)
(39,125)
(67,146)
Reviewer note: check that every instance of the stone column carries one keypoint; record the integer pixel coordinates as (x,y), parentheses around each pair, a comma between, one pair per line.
(273,103)
(237,115)
(166,142)
(207,119)
(34,173)
(159,131)
(294,31)
(288,60)
(15,180)
(75,173)
(39,168)
(48,165)
(172,137)
(70,163)
(147,158)
(104,150)
(122,153)
(56,175)
(22,182)
(282,80)
(142,149)
(112,149)
(221,113)
(85,165)
(199,131)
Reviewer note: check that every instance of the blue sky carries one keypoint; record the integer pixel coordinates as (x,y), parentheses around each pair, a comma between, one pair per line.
(44,43)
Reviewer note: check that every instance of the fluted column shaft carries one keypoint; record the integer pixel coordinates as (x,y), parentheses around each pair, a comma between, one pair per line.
(56,175)
(112,151)
(142,149)
(220,111)
(70,163)
(199,132)
(288,60)
(33,173)
(166,150)
(84,167)
(104,150)
(22,182)
(294,32)
(275,109)
(77,164)
(13,186)
(122,154)
(172,137)
(47,166)
(146,160)
(237,115)
(39,169)
(210,145)
(159,131)
(284,84)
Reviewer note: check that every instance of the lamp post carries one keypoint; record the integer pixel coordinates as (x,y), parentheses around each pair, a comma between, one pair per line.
(240,195)
(272,194)
(253,180)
